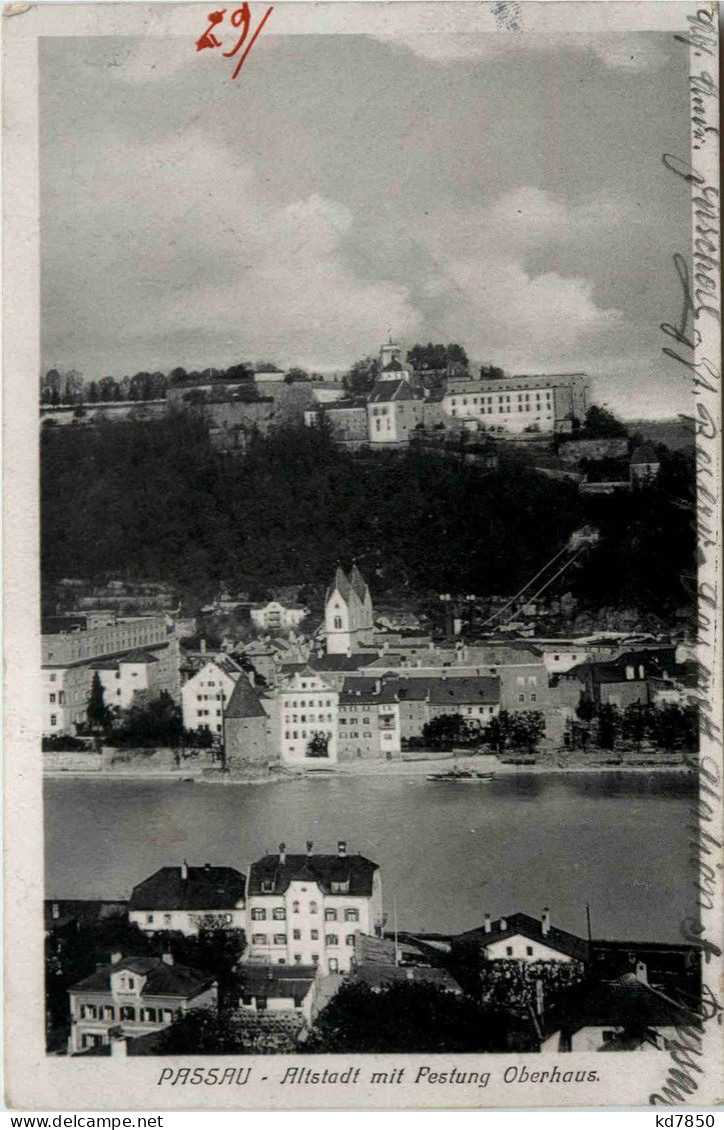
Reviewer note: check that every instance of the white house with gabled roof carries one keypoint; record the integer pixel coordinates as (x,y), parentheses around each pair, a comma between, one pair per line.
(206,694)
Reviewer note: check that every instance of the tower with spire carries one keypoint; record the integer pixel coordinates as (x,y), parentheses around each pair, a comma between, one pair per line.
(348,614)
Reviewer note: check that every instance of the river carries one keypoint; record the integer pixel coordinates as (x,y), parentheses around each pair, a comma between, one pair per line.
(448,853)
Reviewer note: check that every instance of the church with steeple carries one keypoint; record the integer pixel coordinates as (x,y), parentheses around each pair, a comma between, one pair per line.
(348,616)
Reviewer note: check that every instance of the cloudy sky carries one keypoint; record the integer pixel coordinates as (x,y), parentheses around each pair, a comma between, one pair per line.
(505,192)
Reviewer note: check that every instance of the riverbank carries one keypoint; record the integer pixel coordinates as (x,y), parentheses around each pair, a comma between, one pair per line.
(561,763)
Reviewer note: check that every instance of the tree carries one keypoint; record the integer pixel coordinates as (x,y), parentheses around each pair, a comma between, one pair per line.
(154,723)
(318,745)
(93,392)
(177,375)
(527,727)
(406,1017)
(602,424)
(205,1032)
(608,725)
(97,713)
(362,376)
(293,375)
(497,731)
(446,730)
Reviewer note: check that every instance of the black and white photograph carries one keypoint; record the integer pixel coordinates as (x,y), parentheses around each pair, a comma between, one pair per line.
(370,610)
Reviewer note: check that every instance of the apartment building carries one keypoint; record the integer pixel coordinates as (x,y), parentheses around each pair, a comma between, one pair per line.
(305,909)
(308,713)
(542,403)
(205,696)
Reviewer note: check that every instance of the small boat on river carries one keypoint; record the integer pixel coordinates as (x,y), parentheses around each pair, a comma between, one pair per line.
(462,777)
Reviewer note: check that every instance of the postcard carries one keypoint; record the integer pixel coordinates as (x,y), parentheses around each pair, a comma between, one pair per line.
(362,555)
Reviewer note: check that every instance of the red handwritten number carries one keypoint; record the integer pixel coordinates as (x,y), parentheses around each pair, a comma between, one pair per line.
(242,18)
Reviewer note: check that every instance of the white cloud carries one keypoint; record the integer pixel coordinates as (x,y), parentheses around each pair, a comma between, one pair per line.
(218,263)
(630,50)
(501,308)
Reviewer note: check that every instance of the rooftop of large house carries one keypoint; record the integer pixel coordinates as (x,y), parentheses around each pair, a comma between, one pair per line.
(190,888)
(615,670)
(526,926)
(381,976)
(385,391)
(162,978)
(342,662)
(276,980)
(272,874)
(627,1002)
(441,690)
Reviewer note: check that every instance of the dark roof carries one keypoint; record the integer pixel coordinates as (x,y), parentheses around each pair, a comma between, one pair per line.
(379,976)
(614,670)
(341,583)
(392,366)
(321,869)
(245,701)
(161,979)
(644,453)
(384,391)
(528,927)
(626,1002)
(464,690)
(342,662)
(276,980)
(358,583)
(206,888)
(86,912)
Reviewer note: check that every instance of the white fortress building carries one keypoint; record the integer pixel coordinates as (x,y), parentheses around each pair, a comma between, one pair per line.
(348,616)
(545,403)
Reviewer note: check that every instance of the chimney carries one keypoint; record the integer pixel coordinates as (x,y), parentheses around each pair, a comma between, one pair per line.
(119,1048)
(342,849)
(503,924)
(207,867)
(116,956)
(545,921)
(539,997)
(184,870)
(310,845)
(487,924)
(642,973)
(410,974)
(167,957)
(56,910)
(202,646)
(282,854)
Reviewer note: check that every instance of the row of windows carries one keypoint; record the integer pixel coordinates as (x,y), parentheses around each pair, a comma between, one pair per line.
(313,702)
(281,939)
(126,1012)
(307,718)
(60,697)
(209,698)
(206,713)
(502,398)
(351,913)
(293,734)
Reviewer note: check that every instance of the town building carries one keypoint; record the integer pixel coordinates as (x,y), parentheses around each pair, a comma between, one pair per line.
(541,403)
(276,616)
(369,721)
(250,737)
(394,411)
(346,420)
(644,465)
(305,909)
(70,645)
(278,988)
(520,937)
(348,614)
(206,694)
(134,996)
(334,669)
(308,719)
(619,682)
(189,899)
(624,1014)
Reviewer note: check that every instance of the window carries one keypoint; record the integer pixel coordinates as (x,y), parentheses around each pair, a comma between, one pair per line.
(109,1012)
(351,914)
(167,919)
(529,951)
(149,918)
(268,884)
(509,951)
(331,915)
(315,959)
(297,959)
(259,939)
(349,940)
(279,913)
(332,940)
(295,908)
(297,935)
(54,719)
(131,983)
(314,935)
(261,1004)
(338,619)
(312,907)
(280,939)
(127,1012)
(258,914)
(52,698)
